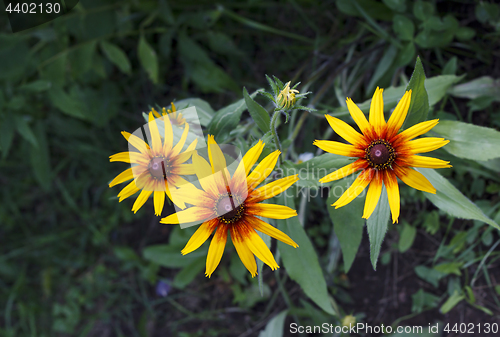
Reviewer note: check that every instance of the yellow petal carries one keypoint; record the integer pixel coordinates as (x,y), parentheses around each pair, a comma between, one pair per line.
(136,142)
(168,137)
(391,184)
(155,135)
(216,249)
(346,131)
(257,246)
(205,177)
(200,236)
(159,200)
(141,199)
(422,161)
(414,131)
(273,232)
(398,116)
(271,211)
(345,171)
(193,196)
(245,254)
(373,195)
(250,158)
(127,191)
(122,177)
(191,214)
(130,157)
(339,148)
(358,116)
(178,147)
(182,157)
(355,189)
(414,179)
(377,111)
(263,170)
(183,169)
(157,115)
(423,145)
(217,160)
(272,189)
(177,201)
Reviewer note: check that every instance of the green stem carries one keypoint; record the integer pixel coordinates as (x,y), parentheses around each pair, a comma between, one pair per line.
(275,132)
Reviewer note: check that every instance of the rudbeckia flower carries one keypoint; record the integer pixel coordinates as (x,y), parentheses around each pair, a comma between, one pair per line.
(176,117)
(232,204)
(383,153)
(157,167)
(286,98)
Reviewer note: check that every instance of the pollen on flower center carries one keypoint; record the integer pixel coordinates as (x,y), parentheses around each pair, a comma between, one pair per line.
(228,210)
(380,154)
(158,168)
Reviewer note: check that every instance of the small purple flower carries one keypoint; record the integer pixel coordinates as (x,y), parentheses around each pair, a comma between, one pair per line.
(162,288)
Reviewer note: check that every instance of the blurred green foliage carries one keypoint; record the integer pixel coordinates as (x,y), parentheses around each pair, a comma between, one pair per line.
(75,262)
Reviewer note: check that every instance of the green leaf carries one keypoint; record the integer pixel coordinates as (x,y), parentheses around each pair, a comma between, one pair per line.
(170,255)
(422,300)
(396,5)
(451,200)
(40,158)
(451,302)
(430,275)
(377,226)
(274,328)
(189,272)
(273,85)
(302,263)
(419,106)
(479,87)
(469,141)
(383,66)
(125,253)
(258,113)
(200,68)
(148,59)
(449,268)
(423,10)
(347,223)
(24,130)
(450,68)
(465,33)
(117,56)
(203,109)
(406,237)
(227,118)
(66,103)
(36,86)
(81,58)
(7,134)
(403,27)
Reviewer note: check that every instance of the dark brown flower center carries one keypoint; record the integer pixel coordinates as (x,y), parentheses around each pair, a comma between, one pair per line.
(158,168)
(380,154)
(229,210)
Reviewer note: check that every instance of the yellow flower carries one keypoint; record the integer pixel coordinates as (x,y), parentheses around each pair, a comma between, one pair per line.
(175,117)
(383,153)
(286,97)
(156,168)
(232,204)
